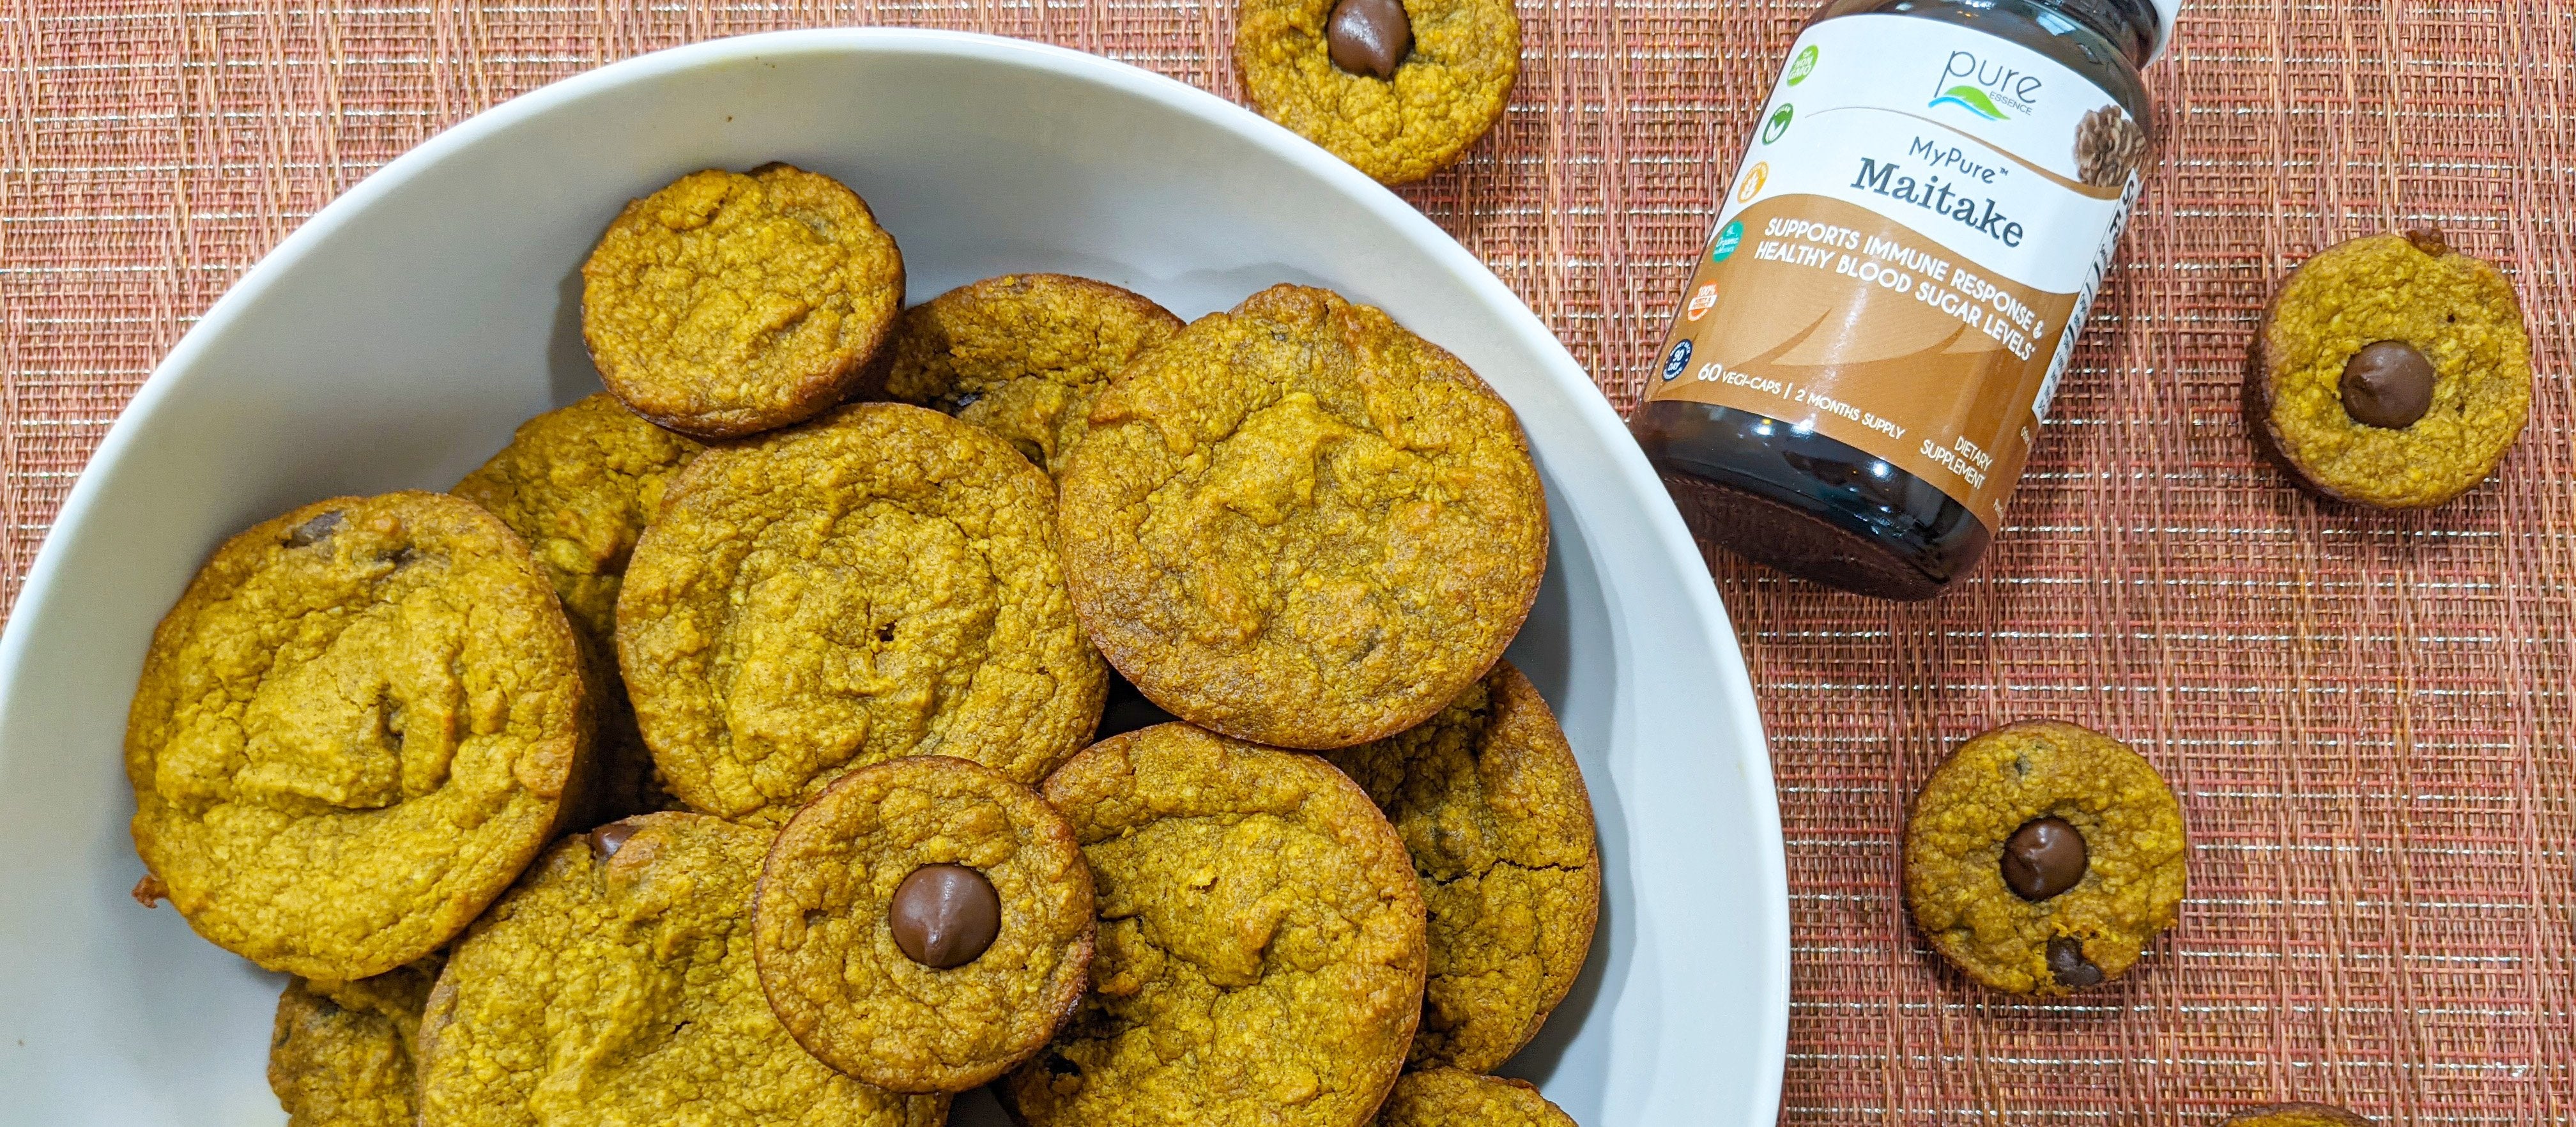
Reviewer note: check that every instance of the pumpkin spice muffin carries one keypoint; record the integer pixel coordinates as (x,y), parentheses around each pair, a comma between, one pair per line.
(342,1054)
(877,583)
(1024,355)
(615,985)
(1448,1097)
(1399,88)
(2041,857)
(730,303)
(1297,523)
(924,925)
(1492,807)
(2297,1115)
(358,725)
(579,484)
(2390,371)
(1261,942)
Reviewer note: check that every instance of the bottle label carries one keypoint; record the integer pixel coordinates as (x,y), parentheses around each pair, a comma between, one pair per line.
(1909,248)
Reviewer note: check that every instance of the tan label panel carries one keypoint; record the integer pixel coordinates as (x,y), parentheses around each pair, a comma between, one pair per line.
(1830,316)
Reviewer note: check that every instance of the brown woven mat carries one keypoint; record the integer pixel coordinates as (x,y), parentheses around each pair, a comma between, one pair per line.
(2372,721)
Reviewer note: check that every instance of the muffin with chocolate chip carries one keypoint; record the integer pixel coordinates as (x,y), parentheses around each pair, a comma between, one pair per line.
(1398,88)
(2390,371)
(924,925)
(615,984)
(2042,857)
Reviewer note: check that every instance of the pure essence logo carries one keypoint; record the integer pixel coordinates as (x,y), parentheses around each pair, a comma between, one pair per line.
(1989,90)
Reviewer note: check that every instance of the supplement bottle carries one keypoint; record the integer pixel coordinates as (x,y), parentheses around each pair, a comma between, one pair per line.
(1895,281)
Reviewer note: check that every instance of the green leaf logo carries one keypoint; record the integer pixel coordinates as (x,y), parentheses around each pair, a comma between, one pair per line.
(1973,100)
(1779,123)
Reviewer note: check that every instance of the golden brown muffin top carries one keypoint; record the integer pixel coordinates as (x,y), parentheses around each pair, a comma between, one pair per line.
(1492,807)
(1024,355)
(880,582)
(1261,945)
(344,1054)
(1300,524)
(616,985)
(832,954)
(730,303)
(579,484)
(353,731)
(2131,885)
(2455,311)
(1445,94)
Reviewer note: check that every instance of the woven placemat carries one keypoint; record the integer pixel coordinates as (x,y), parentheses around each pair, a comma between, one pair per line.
(2371,720)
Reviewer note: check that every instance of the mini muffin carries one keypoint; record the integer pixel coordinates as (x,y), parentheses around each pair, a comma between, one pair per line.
(1261,942)
(1398,88)
(2297,1115)
(2390,371)
(579,484)
(924,925)
(2041,857)
(877,583)
(358,725)
(1024,355)
(730,303)
(1492,807)
(1448,1097)
(1298,524)
(615,985)
(342,1054)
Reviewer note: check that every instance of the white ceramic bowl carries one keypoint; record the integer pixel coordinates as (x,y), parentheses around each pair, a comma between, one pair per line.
(396,338)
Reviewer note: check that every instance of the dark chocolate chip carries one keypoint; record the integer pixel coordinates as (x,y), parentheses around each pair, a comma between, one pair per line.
(607,840)
(2067,962)
(316,530)
(2043,858)
(1369,36)
(944,915)
(2388,384)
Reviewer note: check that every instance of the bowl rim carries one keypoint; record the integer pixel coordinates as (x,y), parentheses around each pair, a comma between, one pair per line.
(1665,530)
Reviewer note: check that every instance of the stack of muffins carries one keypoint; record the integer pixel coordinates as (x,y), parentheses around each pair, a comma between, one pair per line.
(731,748)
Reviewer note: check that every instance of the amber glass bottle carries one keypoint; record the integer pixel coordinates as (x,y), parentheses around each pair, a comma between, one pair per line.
(1897,275)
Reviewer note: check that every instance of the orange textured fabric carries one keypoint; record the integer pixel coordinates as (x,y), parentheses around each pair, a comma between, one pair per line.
(2371,721)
